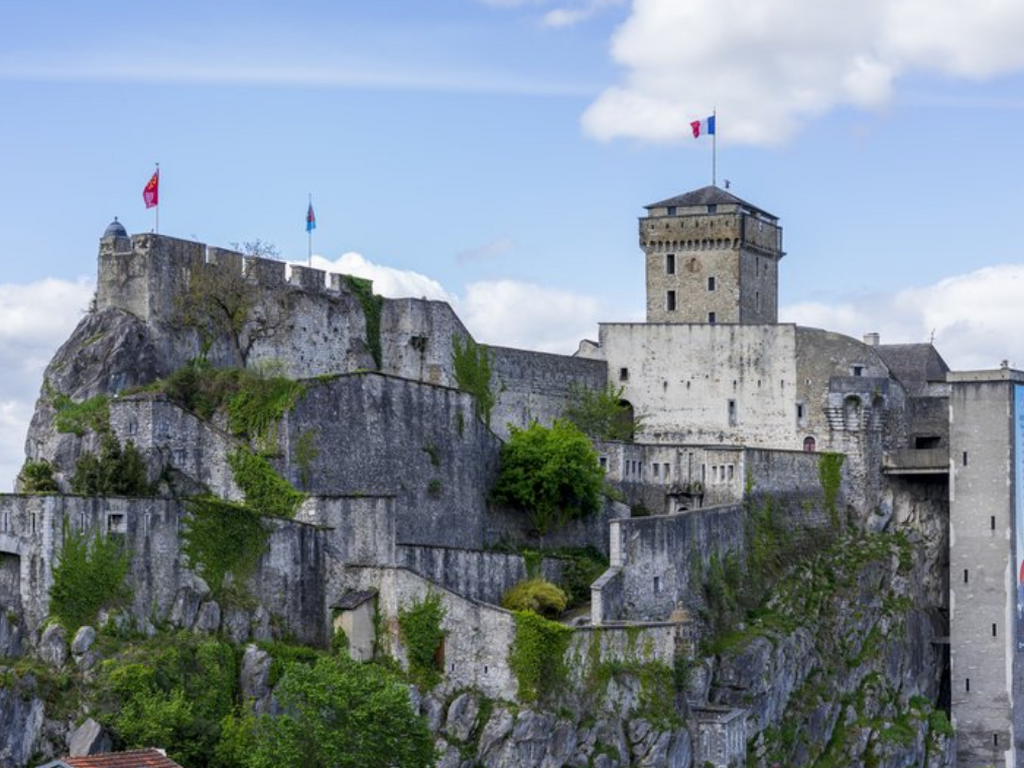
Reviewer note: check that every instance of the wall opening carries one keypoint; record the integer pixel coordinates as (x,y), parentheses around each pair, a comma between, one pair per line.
(810,444)
(670,264)
(10,581)
(670,301)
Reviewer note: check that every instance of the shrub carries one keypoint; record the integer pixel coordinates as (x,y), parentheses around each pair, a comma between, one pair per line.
(222,538)
(264,489)
(37,477)
(472,364)
(116,471)
(551,473)
(536,595)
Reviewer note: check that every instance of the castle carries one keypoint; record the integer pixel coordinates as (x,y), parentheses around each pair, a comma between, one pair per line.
(397,468)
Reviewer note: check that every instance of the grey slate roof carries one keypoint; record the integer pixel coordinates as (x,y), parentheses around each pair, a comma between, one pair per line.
(913,364)
(710,195)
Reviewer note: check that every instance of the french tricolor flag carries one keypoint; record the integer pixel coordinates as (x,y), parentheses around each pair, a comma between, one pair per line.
(700,127)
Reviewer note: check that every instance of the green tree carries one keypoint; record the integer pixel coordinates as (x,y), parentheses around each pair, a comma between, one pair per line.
(116,471)
(602,414)
(551,473)
(336,714)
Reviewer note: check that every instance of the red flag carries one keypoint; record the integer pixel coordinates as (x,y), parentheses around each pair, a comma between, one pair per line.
(151,193)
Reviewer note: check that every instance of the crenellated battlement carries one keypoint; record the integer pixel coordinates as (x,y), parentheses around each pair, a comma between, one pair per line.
(145,273)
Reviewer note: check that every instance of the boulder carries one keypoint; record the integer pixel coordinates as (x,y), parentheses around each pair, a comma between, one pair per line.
(84,638)
(53,645)
(208,619)
(88,739)
(462,716)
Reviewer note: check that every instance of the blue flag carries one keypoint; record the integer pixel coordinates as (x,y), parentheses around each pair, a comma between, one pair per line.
(310,219)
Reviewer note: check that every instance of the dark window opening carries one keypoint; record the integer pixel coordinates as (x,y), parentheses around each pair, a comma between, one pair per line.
(993,630)
(966,576)
(670,264)
(799,410)
(967,684)
(671,210)
(924,442)
(810,445)
(995,739)
(623,374)
(965,458)
(712,208)
(670,301)
(732,413)
(711,318)
(711,283)
(857,370)
(992,523)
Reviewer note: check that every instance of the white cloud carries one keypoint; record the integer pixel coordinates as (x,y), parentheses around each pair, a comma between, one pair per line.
(975,318)
(513,313)
(488,251)
(769,66)
(35,319)
(387,281)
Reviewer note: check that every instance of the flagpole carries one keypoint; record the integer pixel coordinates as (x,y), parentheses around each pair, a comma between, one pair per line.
(309,231)
(157,206)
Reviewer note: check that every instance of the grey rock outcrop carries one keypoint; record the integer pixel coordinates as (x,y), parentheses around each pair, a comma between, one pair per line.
(89,739)
(53,646)
(84,638)
(11,632)
(462,716)
(21,723)
(254,680)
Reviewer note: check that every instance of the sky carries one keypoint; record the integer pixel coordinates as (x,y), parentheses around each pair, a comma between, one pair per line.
(497,153)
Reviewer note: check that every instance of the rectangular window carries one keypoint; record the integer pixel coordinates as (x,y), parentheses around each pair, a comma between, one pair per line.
(711,283)
(965,458)
(712,318)
(603,461)
(671,210)
(666,473)
(967,684)
(992,523)
(654,468)
(857,370)
(623,374)
(993,630)
(800,410)
(670,301)
(732,413)
(670,264)
(731,468)
(712,207)
(757,300)
(966,576)
(657,584)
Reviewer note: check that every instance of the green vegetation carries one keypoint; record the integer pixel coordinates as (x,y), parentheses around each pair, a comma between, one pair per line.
(472,363)
(305,453)
(116,471)
(420,628)
(372,305)
(37,477)
(536,595)
(89,575)
(830,473)
(173,690)
(550,473)
(602,414)
(255,400)
(537,656)
(78,418)
(338,714)
(223,539)
(264,489)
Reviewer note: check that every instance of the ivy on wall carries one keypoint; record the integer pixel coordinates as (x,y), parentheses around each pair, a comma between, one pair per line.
(222,538)
(372,305)
(830,474)
(264,489)
(537,656)
(472,364)
(88,576)
(420,627)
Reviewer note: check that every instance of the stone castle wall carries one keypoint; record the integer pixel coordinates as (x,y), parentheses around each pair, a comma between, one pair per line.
(287,581)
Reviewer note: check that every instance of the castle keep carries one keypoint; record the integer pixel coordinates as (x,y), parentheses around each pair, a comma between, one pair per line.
(734,411)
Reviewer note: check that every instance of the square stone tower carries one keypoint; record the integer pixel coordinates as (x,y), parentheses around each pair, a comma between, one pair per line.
(986,555)
(711,258)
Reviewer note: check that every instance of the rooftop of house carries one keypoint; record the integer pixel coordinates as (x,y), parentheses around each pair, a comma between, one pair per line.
(139,758)
(710,195)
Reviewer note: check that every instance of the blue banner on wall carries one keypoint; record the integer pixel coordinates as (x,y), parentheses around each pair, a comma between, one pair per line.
(1018,505)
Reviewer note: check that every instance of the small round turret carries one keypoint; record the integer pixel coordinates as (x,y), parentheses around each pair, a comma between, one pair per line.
(115,229)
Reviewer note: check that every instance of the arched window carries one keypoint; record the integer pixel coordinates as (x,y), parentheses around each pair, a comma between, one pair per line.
(810,445)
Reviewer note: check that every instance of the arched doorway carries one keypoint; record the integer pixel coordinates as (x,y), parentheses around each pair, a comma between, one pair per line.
(810,444)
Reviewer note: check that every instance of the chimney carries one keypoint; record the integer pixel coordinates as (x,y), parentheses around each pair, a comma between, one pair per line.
(872,339)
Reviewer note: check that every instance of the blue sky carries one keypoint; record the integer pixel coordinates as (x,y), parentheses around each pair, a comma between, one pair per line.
(498,152)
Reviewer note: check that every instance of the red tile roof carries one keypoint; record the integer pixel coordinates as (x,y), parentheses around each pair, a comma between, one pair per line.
(140,758)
